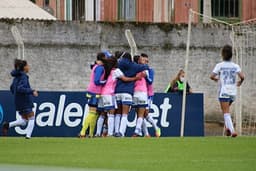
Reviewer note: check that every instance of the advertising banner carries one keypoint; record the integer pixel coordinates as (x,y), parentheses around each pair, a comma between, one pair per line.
(61,114)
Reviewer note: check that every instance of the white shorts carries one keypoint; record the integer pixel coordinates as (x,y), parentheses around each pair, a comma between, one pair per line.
(124,99)
(107,102)
(140,99)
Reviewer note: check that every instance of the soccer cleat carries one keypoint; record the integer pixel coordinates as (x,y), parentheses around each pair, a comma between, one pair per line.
(81,136)
(234,135)
(228,132)
(5,128)
(147,136)
(136,135)
(97,136)
(118,134)
(158,132)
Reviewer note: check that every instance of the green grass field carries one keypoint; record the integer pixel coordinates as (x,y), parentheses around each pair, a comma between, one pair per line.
(140,154)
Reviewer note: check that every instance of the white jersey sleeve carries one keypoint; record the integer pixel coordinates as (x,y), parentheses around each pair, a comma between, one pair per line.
(216,69)
(117,73)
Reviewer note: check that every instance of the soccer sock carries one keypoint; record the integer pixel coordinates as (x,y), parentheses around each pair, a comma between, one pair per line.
(138,126)
(100,125)
(18,122)
(92,124)
(123,124)
(86,122)
(151,121)
(117,122)
(30,127)
(145,128)
(111,120)
(228,122)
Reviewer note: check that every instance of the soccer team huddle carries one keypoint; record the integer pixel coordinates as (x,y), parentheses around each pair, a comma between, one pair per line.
(117,84)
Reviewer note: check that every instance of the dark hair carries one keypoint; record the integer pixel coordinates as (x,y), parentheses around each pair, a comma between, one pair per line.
(136,58)
(226,53)
(126,55)
(100,56)
(144,55)
(20,64)
(109,64)
(118,54)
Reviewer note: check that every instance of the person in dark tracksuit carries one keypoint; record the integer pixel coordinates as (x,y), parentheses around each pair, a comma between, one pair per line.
(23,98)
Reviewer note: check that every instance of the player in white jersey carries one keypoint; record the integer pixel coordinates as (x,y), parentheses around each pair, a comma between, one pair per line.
(225,73)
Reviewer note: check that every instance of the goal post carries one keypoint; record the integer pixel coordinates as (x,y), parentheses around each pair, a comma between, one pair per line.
(131,42)
(19,41)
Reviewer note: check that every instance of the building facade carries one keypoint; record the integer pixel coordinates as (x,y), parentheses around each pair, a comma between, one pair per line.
(156,11)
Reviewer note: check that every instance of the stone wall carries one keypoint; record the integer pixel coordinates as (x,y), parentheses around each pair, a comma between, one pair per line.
(60,54)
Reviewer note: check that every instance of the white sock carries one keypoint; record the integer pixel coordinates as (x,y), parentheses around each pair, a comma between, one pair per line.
(138,126)
(145,128)
(151,121)
(18,122)
(123,124)
(228,122)
(30,127)
(100,123)
(117,122)
(111,120)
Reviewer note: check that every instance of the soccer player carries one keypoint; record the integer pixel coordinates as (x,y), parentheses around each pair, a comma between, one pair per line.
(150,91)
(140,98)
(108,99)
(93,94)
(124,91)
(225,73)
(23,97)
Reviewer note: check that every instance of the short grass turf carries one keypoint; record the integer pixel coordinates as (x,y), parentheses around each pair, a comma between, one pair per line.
(138,154)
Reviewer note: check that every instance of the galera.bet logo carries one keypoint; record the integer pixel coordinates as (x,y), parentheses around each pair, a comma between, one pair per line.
(1,114)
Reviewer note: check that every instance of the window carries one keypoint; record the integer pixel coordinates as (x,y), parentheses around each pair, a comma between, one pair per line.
(78,9)
(46,2)
(223,8)
(126,9)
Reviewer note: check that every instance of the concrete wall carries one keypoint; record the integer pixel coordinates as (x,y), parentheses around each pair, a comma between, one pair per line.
(60,54)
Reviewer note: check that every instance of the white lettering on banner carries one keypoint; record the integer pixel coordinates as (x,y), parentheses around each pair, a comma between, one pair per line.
(133,122)
(49,114)
(17,128)
(154,114)
(60,110)
(73,114)
(68,114)
(165,107)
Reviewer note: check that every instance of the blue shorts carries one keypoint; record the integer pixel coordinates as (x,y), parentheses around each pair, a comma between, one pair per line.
(229,99)
(92,99)
(25,111)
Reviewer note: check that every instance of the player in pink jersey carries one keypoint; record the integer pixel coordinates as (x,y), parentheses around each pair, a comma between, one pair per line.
(147,117)
(93,93)
(108,100)
(140,98)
